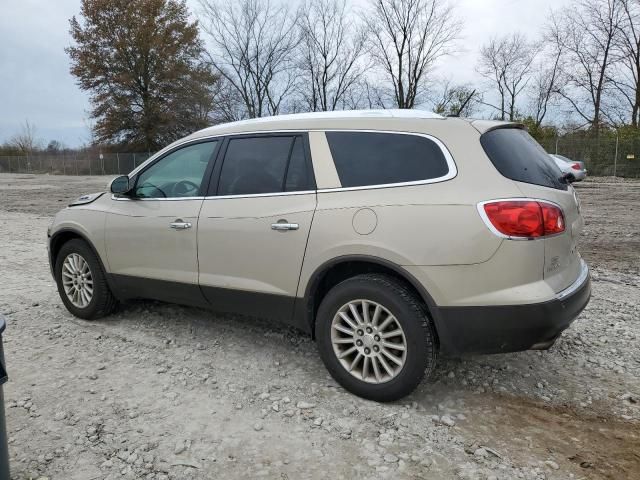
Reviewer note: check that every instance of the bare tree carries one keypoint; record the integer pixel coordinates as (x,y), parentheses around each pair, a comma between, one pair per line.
(332,49)
(25,141)
(626,79)
(253,43)
(406,39)
(365,94)
(506,63)
(589,31)
(547,77)
(457,100)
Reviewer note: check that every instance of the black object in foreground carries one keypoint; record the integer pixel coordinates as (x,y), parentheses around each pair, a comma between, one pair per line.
(4,452)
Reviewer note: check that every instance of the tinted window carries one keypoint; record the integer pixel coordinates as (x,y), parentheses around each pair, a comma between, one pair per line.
(261,164)
(516,155)
(298,174)
(179,174)
(363,158)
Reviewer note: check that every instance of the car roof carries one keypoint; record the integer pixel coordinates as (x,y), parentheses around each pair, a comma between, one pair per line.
(311,120)
(381,119)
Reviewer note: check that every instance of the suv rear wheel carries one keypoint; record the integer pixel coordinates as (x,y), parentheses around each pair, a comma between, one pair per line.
(375,337)
(82,284)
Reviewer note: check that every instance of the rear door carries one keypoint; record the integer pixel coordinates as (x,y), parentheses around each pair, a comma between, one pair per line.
(254,225)
(517,156)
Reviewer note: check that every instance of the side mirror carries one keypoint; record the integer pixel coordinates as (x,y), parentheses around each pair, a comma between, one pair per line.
(120,185)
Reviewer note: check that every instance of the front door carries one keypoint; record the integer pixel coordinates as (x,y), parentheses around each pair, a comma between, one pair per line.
(253,232)
(151,233)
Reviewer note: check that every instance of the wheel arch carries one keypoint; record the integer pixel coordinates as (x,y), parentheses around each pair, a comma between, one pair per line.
(340,268)
(62,236)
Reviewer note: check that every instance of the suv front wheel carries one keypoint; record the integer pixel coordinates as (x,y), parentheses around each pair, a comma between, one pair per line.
(375,337)
(82,283)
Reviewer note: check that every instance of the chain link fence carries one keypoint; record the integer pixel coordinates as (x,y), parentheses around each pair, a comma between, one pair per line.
(603,156)
(81,163)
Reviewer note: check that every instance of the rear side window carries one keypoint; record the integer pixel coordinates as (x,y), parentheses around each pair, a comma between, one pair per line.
(370,158)
(516,155)
(264,165)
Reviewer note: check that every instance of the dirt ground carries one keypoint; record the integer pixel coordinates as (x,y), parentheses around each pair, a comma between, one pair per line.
(161,391)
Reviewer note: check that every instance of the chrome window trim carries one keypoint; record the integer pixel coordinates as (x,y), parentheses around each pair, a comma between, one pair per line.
(170,199)
(498,233)
(258,195)
(452,173)
(451,164)
(217,136)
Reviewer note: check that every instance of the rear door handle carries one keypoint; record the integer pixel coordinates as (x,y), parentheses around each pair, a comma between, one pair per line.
(284,226)
(180,225)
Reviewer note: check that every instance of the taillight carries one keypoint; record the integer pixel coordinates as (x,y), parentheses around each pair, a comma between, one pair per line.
(576,166)
(524,218)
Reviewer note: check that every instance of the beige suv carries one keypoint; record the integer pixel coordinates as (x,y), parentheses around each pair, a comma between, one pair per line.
(390,236)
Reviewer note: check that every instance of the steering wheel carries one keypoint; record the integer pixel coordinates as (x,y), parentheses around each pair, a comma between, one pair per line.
(181,188)
(149,184)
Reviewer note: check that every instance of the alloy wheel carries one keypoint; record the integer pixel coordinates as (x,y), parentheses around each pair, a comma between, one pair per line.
(77,280)
(368,341)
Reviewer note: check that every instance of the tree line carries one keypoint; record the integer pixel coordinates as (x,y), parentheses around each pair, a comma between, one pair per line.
(156,71)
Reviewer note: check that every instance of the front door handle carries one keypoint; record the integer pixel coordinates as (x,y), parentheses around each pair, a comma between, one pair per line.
(179,225)
(284,226)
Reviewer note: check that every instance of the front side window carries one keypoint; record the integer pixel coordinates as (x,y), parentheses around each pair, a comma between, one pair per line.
(259,165)
(179,174)
(372,158)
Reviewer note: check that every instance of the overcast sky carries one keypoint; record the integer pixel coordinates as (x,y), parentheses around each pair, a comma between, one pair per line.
(35,83)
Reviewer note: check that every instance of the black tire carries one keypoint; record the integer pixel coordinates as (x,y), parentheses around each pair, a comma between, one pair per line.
(411,314)
(103,302)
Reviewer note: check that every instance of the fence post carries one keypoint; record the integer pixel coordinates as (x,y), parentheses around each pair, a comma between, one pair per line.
(134,161)
(557,144)
(118,158)
(64,166)
(615,158)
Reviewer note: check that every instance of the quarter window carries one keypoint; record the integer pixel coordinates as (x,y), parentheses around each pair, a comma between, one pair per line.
(178,174)
(258,165)
(371,158)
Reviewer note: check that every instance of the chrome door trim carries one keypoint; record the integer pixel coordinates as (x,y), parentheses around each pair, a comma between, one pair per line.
(179,225)
(284,226)
(170,199)
(257,195)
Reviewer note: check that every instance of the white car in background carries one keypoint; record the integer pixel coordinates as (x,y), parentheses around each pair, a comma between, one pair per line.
(568,166)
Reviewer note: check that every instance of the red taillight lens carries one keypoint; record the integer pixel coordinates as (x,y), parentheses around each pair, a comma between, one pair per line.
(576,166)
(524,218)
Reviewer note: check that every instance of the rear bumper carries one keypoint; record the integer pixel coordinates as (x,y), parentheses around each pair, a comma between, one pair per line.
(511,328)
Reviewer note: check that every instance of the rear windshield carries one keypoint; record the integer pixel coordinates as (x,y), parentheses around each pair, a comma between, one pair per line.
(519,157)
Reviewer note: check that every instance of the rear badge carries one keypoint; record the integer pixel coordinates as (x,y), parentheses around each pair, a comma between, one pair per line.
(554,264)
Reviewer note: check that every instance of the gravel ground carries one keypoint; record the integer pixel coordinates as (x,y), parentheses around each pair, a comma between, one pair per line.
(161,391)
